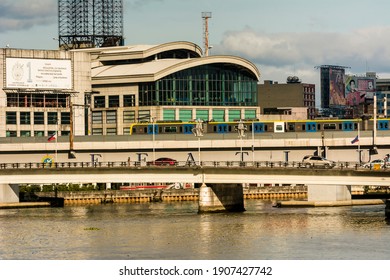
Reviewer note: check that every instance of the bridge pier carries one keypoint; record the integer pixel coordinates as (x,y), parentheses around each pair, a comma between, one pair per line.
(329,193)
(221,198)
(9,193)
(387,209)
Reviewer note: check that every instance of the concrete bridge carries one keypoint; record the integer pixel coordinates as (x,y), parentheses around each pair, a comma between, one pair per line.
(221,183)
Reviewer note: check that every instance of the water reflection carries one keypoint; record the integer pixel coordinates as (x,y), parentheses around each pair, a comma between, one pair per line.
(176,231)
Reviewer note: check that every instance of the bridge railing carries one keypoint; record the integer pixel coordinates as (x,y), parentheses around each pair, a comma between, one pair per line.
(142,164)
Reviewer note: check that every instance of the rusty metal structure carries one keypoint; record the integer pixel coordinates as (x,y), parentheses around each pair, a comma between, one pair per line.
(90,23)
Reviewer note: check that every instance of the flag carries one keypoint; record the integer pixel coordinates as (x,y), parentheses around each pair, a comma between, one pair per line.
(356,139)
(52,137)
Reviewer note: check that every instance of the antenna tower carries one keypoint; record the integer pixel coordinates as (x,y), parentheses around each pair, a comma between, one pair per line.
(206,16)
(90,23)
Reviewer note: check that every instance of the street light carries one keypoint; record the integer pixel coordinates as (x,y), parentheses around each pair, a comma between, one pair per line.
(198,132)
(154,138)
(241,128)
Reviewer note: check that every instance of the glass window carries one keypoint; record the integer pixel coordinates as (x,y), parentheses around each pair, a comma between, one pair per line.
(65,132)
(113,101)
(126,131)
(12,100)
(52,117)
(25,118)
(99,101)
(144,116)
(11,133)
(111,131)
(65,118)
(38,100)
(97,117)
(11,118)
(111,117)
(39,118)
(39,133)
(212,85)
(51,101)
(25,133)
(128,116)
(97,131)
(129,100)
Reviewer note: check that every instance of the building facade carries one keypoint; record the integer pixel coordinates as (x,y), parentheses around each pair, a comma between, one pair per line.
(300,95)
(37,90)
(102,91)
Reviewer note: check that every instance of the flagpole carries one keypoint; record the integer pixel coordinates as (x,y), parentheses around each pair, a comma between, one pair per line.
(56,135)
(359,155)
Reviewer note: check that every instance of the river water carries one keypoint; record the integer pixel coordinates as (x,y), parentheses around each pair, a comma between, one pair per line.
(175,231)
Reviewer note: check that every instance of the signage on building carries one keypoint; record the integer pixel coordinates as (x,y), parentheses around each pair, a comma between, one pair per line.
(359,90)
(38,73)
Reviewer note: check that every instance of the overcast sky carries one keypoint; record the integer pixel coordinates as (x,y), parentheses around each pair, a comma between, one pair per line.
(282,37)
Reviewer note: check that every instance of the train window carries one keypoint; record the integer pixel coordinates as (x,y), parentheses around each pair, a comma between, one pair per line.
(230,128)
(134,130)
(170,129)
(318,126)
(144,130)
(266,127)
(303,127)
(215,129)
(279,127)
(340,126)
(329,126)
(291,127)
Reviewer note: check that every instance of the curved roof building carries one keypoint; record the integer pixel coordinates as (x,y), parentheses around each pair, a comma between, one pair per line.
(171,81)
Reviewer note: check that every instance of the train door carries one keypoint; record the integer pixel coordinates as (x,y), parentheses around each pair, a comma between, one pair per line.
(311,127)
(258,127)
(221,128)
(348,126)
(383,125)
(187,128)
(150,128)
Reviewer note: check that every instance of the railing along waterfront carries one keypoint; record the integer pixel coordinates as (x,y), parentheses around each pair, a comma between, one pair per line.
(215,164)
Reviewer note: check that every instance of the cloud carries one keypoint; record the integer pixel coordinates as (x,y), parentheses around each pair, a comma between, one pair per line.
(286,54)
(138,4)
(23,14)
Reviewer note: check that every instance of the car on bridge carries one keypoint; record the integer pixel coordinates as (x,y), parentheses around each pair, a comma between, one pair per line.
(317,161)
(163,162)
(377,164)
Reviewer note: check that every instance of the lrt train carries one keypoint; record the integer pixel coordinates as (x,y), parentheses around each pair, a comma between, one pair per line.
(259,126)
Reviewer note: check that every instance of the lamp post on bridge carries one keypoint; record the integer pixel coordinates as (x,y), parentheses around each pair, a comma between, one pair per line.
(241,128)
(198,132)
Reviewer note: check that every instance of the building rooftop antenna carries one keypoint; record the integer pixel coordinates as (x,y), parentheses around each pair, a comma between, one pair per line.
(206,16)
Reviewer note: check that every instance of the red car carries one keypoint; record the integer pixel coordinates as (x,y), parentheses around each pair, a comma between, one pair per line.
(163,162)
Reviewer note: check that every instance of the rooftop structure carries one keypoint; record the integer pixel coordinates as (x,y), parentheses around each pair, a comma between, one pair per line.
(90,23)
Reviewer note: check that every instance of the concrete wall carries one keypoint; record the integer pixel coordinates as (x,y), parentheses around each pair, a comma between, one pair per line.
(328,193)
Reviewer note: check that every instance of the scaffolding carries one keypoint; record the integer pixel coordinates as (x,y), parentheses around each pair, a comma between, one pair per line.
(90,23)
